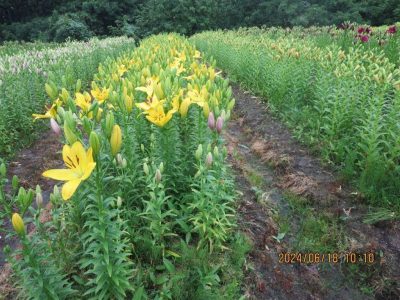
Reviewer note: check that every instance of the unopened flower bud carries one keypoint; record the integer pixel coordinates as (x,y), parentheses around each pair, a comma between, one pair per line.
(116,140)
(231,104)
(220,124)
(69,134)
(15,182)
(142,147)
(216,152)
(39,197)
(161,167)
(199,152)
(211,121)
(109,124)
(146,169)
(55,127)
(158,176)
(209,160)
(87,125)
(124,163)
(119,202)
(119,159)
(18,224)
(94,142)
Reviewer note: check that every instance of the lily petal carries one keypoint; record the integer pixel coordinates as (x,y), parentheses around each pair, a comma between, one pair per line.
(69,188)
(88,170)
(61,174)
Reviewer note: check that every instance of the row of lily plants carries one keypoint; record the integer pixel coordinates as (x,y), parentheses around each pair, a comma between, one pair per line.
(342,101)
(146,207)
(23,74)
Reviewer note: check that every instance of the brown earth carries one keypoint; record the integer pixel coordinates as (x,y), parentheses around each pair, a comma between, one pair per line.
(29,165)
(256,141)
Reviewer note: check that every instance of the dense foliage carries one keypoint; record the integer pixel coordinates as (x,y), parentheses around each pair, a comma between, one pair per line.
(146,210)
(338,89)
(24,71)
(56,20)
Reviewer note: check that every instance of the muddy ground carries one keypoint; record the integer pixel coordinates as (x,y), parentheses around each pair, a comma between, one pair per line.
(270,165)
(29,165)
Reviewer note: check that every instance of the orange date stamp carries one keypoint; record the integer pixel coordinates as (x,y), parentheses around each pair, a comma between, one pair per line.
(334,258)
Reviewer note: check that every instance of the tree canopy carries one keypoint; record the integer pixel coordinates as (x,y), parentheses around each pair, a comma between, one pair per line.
(56,20)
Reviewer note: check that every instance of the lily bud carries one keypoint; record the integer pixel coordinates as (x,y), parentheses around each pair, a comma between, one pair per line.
(99,113)
(206,110)
(78,85)
(142,147)
(3,170)
(158,176)
(199,152)
(183,109)
(55,127)
(211,121)
(94,142)
(161,167)
(69,134)
(15,182)
(146,169)
(231,104)
(119,202)
(109,124)
(216,152)
(18,224)
(128,101)
(39,197)
(119,159)
(87,126)
(124,163)
(51,90)
(224,151)
(220,124)
(209,160)
(116,140)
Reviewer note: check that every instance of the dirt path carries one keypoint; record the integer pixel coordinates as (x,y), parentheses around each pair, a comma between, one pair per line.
(29,165)
(291,202)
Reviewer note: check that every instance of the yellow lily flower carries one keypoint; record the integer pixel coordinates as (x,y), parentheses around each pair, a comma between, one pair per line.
(177,65)
(80,165)
(158,117)
(100,94)
(51,113)
(149,88)
(83,101)
(121,70)
(151,104)
(197,54)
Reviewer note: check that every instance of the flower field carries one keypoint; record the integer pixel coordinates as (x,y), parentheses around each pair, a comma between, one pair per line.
(146,201)
(24,73)
(337,88)
(139,170)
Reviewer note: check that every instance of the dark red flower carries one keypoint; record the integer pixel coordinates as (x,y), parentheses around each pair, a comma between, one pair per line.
(360,30)
(368,30)
(392,30)
(364,38)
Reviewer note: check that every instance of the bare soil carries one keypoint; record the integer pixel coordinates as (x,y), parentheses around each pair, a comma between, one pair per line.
(259,143)
(29,165)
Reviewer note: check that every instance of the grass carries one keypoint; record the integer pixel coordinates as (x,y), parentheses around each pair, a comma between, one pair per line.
(315,232)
